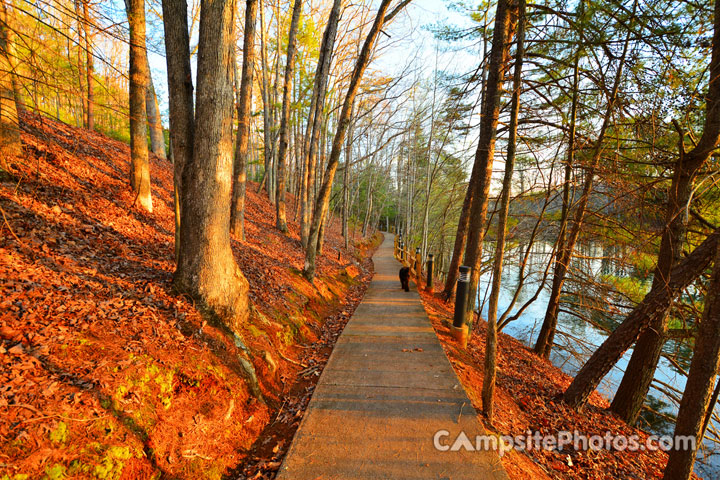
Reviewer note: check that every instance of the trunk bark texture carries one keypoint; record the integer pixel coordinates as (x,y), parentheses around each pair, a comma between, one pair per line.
(139,71)
(244,105)
(280,210)
(206,269)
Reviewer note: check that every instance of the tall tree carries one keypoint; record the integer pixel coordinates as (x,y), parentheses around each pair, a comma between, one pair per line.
(10,146)
(482,168)
(268,179)
(281,217)
(567,243)
(244,106)
(206,268)
(89,67)
(461,233)
(180,95)
(699,386)
(12,57)
(346,186)
(491,337)
(139,71)
(627,333)
(640,371)
(343,121)
(312,132)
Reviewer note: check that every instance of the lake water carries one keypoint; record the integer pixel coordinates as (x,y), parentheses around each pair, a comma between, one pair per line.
(579,334)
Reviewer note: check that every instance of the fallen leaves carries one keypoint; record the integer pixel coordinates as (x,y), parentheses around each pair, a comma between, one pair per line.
(92,334)
(526,399)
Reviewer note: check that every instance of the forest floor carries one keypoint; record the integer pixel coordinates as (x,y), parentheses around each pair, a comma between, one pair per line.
(104,371)
(527,398)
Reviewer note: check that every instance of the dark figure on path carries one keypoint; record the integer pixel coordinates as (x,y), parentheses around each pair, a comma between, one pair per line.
(405,278)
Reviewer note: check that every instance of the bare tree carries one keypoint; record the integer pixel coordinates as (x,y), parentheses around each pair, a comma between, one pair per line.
(10,146)
(281,218)
(206,268)
(139,71)
(312,132)
(699,386)
(321,208)
(244,105)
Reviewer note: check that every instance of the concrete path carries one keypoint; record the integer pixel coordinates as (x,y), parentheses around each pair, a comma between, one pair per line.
(386,390)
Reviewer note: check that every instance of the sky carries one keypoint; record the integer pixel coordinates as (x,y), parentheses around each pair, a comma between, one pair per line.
(414,43)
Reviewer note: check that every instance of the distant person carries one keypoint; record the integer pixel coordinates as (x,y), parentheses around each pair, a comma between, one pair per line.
(405,278)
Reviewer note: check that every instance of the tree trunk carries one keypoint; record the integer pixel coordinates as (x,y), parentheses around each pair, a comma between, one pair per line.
(544,343)
(429,171)
(321,207)
(180,95)
(369,205)
(89,70)
(640,371)
(12,58)
(491,339)
(655,304)
(244,105)
(346,189)
(480,183)
(10,146)
(459,248)
(267,108)
(461,233)
(140,165)
(280,210)
(81,119)
(157,137)
(312,132)
(701,378)
(206,269)
(321,232)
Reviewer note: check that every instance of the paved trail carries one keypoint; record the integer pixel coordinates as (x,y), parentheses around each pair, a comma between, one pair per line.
(376,407)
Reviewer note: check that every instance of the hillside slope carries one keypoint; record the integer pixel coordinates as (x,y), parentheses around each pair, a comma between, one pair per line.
(104,371)
(528,401)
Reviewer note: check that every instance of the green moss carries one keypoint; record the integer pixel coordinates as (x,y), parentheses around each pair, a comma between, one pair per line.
(55,472)
(113,463)
(633,288)
(77,467)
(255,332)
(59,434)
(201,469)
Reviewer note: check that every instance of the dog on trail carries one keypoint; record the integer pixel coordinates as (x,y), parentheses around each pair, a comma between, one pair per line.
(405,278)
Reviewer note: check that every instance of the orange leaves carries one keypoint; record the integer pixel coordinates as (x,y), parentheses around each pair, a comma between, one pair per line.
(527,400)
(91,333)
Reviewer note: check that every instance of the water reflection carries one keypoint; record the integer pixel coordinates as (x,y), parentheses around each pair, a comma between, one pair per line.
(591,307)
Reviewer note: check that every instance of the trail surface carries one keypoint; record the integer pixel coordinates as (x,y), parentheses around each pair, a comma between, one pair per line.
(385,392)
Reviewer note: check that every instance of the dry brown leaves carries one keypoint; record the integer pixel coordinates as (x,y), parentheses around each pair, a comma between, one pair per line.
(527,398)
(103,369)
